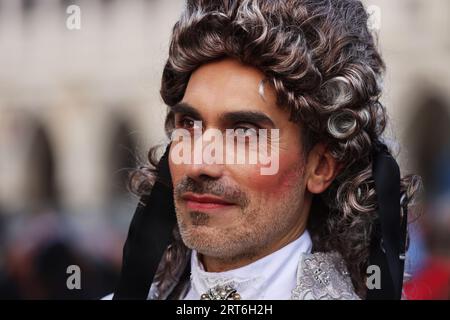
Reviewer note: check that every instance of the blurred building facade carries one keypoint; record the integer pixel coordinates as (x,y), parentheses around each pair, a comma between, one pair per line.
(79,107)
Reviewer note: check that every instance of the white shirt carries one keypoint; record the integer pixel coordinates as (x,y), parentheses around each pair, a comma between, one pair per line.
(272,277)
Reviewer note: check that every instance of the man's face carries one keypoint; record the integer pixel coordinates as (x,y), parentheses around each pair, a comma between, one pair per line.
(232,211)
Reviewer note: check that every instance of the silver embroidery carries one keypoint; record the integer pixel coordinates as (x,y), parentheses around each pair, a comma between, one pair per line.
(320,276)
(323,276)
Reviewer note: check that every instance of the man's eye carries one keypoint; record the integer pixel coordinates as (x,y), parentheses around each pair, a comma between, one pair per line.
(186,123)
(245,131)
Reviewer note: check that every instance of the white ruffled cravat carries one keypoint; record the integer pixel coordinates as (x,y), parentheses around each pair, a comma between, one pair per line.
(271,278)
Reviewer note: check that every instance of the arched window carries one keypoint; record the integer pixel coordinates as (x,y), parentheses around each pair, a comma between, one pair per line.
(41,187)
(428,133)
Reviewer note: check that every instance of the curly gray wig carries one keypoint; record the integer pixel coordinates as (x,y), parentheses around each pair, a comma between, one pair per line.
(323,63)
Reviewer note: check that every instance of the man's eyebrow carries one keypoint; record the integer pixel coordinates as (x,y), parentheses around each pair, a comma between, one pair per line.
(229,117)
(248,116)
(187,109)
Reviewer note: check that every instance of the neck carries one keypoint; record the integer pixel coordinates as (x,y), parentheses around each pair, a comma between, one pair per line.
(215,264)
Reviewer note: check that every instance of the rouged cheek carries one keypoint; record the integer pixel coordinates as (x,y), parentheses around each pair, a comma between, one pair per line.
(290,174)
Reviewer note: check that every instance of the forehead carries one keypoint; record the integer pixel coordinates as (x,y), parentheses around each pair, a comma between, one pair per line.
(228,85)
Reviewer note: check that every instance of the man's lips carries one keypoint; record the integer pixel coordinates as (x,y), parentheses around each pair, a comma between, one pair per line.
(205,202)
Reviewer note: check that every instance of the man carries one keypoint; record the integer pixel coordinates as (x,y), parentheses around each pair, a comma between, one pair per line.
(304,77)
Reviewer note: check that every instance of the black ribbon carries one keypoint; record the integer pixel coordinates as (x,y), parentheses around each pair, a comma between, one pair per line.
(148,236)
(388,241)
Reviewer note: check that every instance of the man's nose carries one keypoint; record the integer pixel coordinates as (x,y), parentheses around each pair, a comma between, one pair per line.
(203,171)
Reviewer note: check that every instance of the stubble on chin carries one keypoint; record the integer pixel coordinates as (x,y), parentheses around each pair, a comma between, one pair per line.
(199,218)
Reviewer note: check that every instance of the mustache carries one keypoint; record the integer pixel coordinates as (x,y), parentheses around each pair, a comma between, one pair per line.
(214,187)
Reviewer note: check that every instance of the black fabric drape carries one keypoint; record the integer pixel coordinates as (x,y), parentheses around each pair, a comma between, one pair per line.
(148,237)
(387,247)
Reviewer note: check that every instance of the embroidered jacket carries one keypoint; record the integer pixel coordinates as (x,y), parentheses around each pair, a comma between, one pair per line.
(320,276)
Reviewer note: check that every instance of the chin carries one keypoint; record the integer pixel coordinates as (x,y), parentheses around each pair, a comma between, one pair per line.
(206,240)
